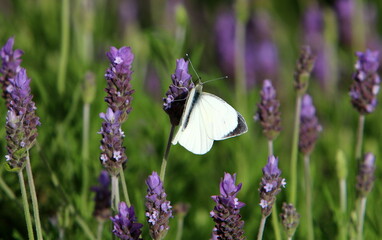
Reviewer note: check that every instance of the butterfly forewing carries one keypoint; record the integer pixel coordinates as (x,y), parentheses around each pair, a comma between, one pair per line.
(206,118)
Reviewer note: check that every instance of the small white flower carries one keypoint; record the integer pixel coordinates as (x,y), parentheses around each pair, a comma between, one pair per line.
(263,203)
(8,158)
(283,183)
(118,60)
(103,158)
(117,155)
(268,187)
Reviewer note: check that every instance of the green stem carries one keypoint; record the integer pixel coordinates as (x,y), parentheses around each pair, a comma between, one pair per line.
(8,191)
(166,153)
(124,187)
(240,84)
(28,219)
(343,206)
(293,173)
(275,219)
(65,21)
(308,197)
(361,217)
(114,193)
(100,229)
(85,153)
(358,146)
(32,190)
(179,231)
(84,227)
(261,228)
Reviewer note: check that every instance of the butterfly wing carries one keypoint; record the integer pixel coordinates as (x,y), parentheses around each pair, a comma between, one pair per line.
(207,118)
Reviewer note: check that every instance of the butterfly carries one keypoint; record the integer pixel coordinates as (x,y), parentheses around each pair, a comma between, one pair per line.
(205,119)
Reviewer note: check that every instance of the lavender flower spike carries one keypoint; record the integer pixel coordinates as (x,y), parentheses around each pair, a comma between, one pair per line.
(268,111)
(102,208)
(113,153)
(304,67)
(309,127)
(10,66)
(158,209)
(290,219)
(364,90)
(178,91)
(366,177)
(125,223)
(22,122)
(118,77)
(270,185)
(228,223)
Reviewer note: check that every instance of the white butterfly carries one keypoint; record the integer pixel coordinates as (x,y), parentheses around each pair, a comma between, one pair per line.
(206,118)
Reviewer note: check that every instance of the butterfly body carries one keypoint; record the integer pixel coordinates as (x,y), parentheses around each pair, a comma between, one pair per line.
(207,118)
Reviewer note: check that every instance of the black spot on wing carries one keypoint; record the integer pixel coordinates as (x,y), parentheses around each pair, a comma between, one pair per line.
(195,98)
(240,128)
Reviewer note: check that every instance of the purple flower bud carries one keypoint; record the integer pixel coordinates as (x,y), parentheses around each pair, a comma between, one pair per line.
(366,84)
(304,67)
(11,61)
(290,219)
(158,209)
(22,122)
(102,198)
(345,16)
(125,223)
(113,153)
(268,111)
(309,126)
(228,223)
(270,185)
(178,91)
(118,77)
(366,176)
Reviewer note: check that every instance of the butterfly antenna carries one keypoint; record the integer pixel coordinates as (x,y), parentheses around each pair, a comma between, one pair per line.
(192,66)
(220,78)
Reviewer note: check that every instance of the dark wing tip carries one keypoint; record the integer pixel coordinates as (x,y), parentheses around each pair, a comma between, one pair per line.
(241,127)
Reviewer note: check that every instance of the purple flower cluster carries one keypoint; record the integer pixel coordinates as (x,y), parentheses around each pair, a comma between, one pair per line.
(304,67)
(22,121)
(11,60)
(102,198)
(268,111)
(290,219)
(309,126)
(158,208)
(178,91)
(345,16)
(366,177)
(113,153)
(118,77)
(228,222)
(261,54)
(270,185)
(366,84)
(125,223)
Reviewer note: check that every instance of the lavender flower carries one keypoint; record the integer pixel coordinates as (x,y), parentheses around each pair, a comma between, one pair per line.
(113,153)
(118,77)
(125,223)
(158,209)
(270,185)
(290,219)
(268,111)
(366,84)
(228,223)
(304,67)
(366,177)
(22,122)
(103,197)
(345,16)
(309,127)
(10,66)
(178,91)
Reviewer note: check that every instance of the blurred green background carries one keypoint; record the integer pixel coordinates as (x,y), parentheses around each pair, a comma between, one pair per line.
(65,43)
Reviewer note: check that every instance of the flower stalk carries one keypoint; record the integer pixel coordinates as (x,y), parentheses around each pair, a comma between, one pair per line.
(26,206)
